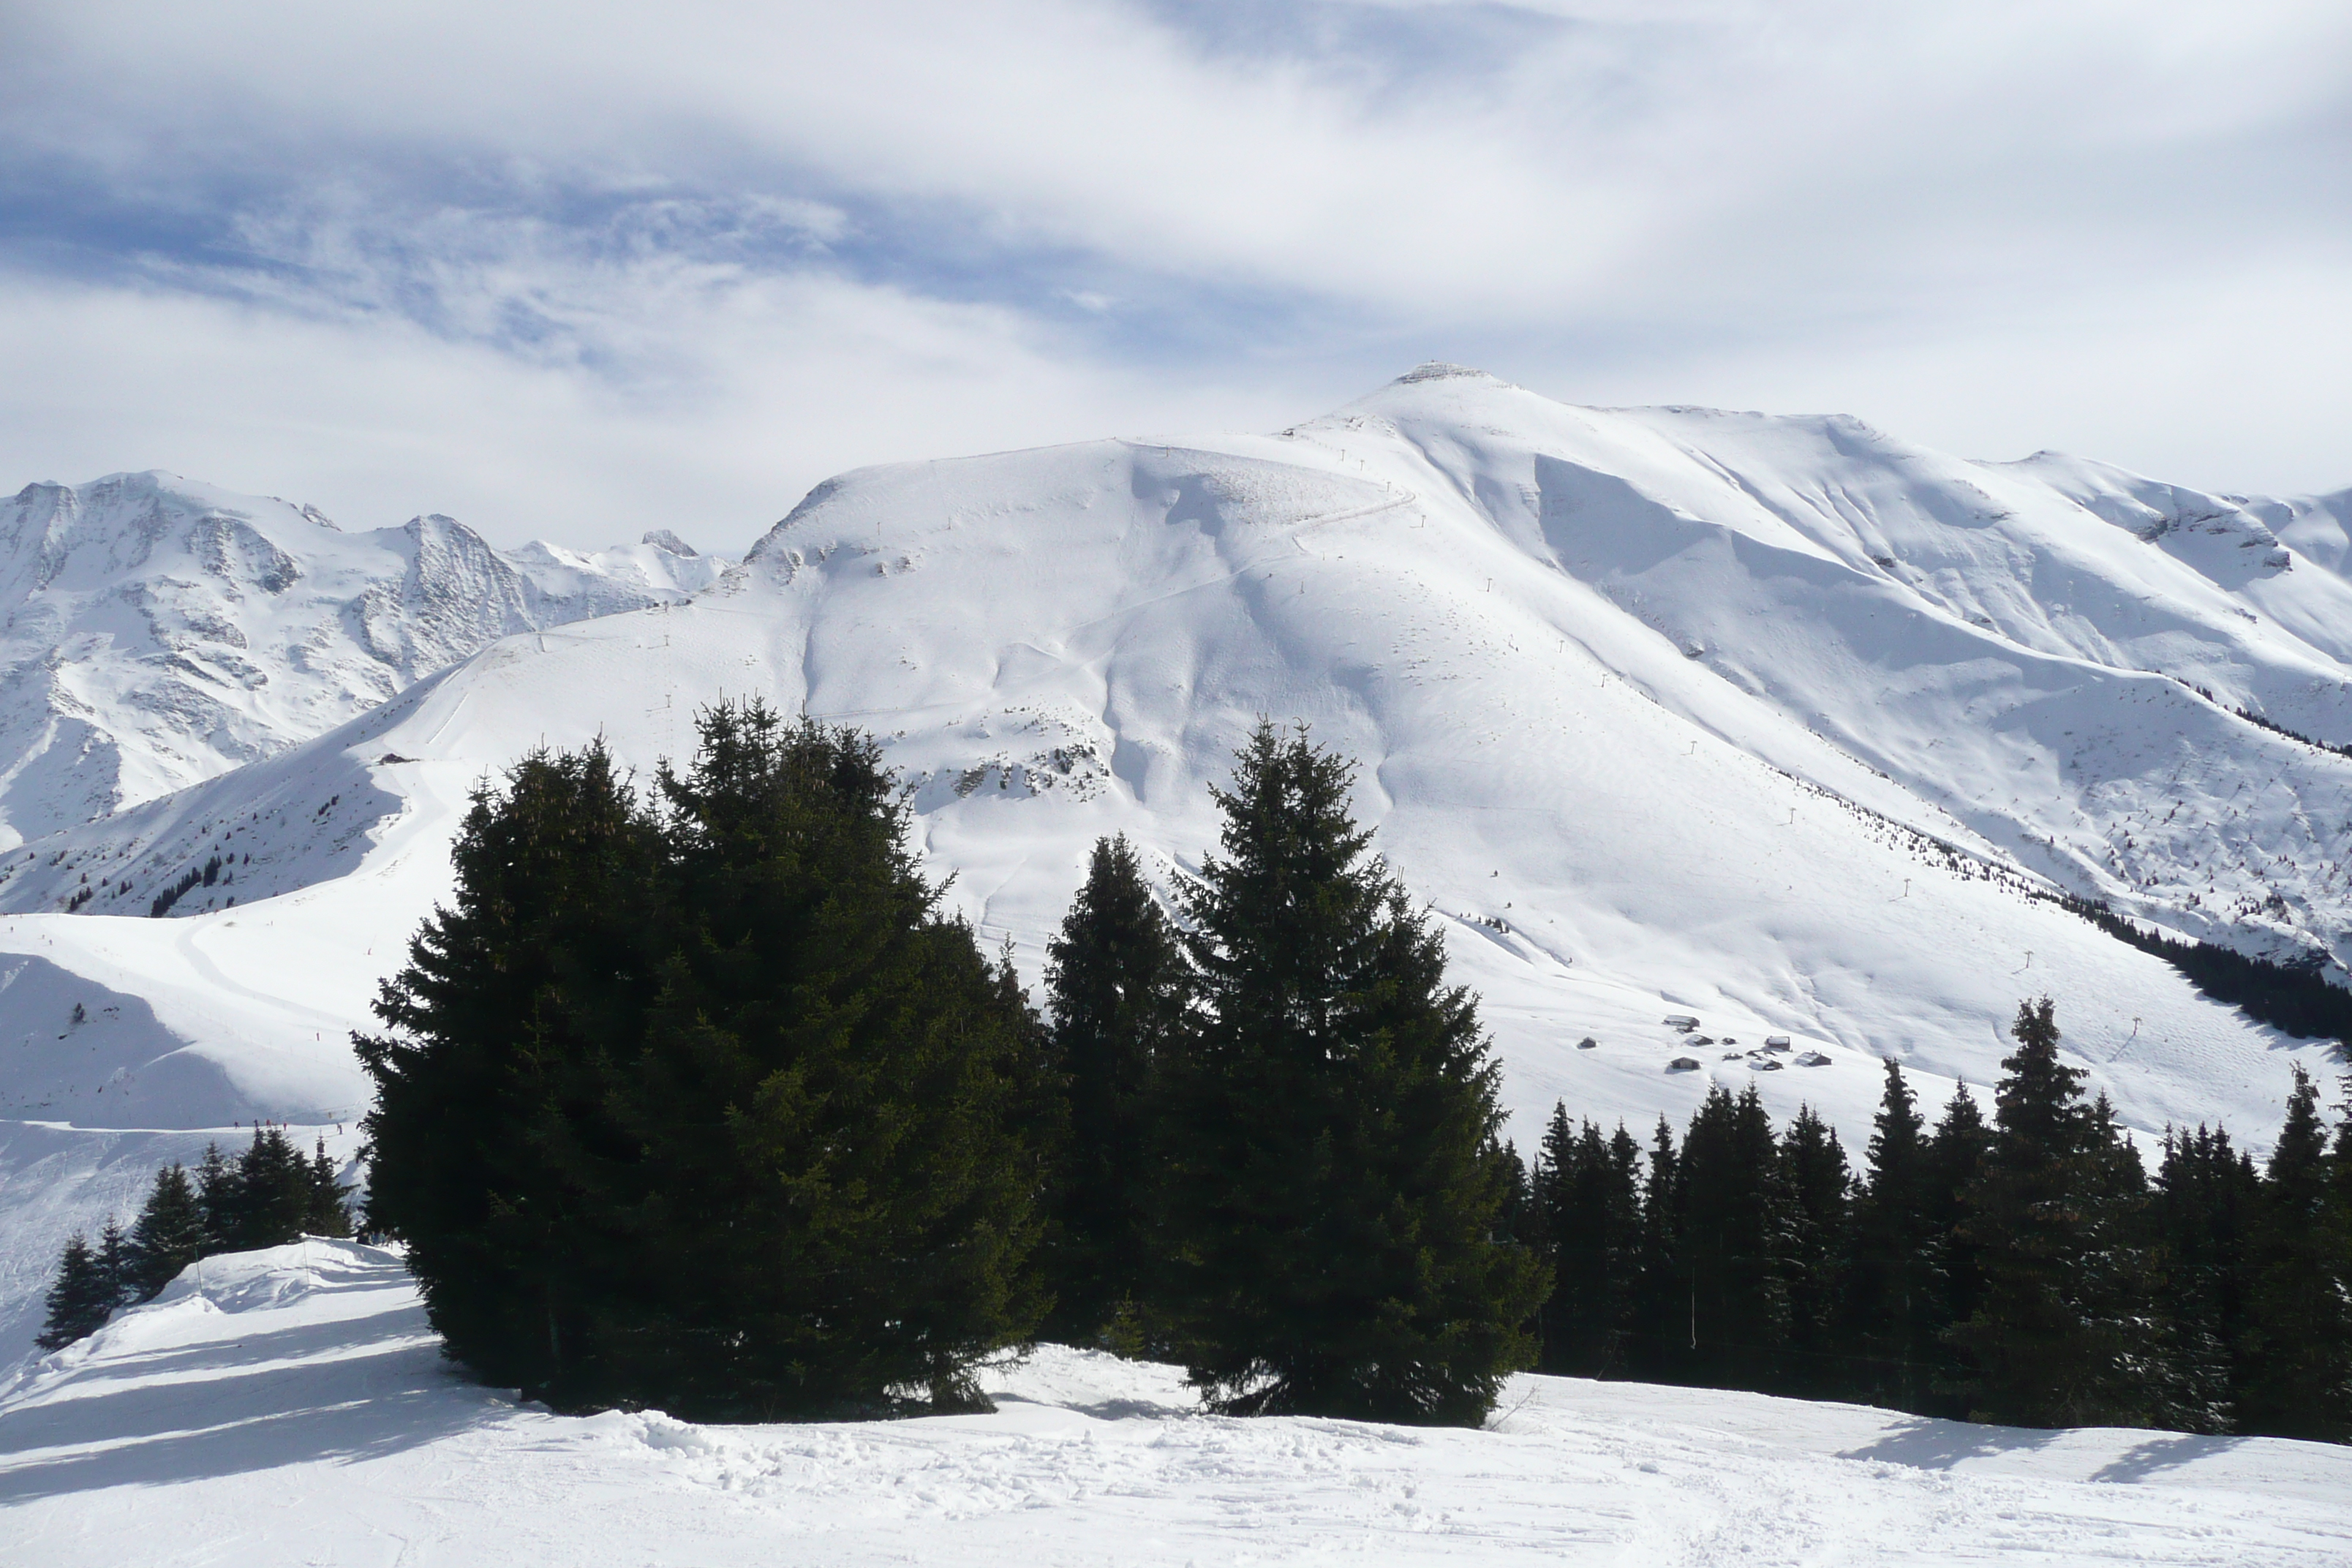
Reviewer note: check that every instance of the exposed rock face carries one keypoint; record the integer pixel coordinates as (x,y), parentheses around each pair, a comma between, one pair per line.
(155,632)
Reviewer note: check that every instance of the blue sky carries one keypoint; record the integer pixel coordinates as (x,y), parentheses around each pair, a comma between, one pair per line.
(577,270)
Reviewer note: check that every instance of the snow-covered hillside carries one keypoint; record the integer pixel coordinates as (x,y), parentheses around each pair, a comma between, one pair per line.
(158,632)
(291,1406)
(1774,722)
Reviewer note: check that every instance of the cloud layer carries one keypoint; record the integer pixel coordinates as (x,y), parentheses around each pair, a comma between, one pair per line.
(580,269)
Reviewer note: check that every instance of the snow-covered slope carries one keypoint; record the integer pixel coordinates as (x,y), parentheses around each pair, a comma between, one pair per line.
(291,1406)
(1775,722)
(154,632)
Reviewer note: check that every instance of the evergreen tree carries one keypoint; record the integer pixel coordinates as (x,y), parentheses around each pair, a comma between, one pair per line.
(2050,1347)
(1737,1224)
(1668,1328)
(273,1203)
(1819,1185)
(1957,1157)
(739,1110)
(217,1199)
(79,1299)
(1336,1183)
(323,1212)
(509,1029)
(2204,1205)
(1896,1301)
(168,1236)
(1116,984)
(1589,1196)
(2298,1342)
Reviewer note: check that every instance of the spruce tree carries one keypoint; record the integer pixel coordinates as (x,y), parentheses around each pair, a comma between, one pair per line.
(1116,984)
(273,1193)
(1819,1185)
(507,1034)
(218,1201)
(1897,1293)
(1336,1180)
(323,1211)
(79,1299)
(1665,1332)
(2298,1340)
(2050,1347)
(168,1236)
(2206,1195)
(738,1112)
(1738,1241)
(1957,1157)
(1590,1195)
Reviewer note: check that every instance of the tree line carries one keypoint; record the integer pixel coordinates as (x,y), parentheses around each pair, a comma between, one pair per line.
(265,1195)
(698,1097)
(2026,1271)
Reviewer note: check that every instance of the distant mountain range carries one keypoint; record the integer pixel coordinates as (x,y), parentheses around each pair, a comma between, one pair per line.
(156,632)
(1782,724)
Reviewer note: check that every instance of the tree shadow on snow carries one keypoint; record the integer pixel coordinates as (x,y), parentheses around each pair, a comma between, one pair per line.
(2168,1451)
(1928,1444)
(249,1415)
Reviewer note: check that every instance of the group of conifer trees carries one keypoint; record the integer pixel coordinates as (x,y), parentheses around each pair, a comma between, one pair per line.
(266,1195)
(2027,1271)
(698,1098)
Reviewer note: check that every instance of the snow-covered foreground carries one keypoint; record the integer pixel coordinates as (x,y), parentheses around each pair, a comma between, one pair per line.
(293,1408)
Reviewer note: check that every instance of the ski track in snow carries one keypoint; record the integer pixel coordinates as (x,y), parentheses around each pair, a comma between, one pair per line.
(292,1408)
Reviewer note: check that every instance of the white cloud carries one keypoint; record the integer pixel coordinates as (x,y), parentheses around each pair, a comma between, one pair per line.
(1959,221)
(748,392)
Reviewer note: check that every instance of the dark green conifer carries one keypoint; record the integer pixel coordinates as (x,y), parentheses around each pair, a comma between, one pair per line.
(168,1236)
(2050,1347)
(1335,1181)
(217,1199)
(1897,1298)
(1115,982)
(2204,1208)
(1590,1193)
(1737,1222)
(323,1212)
(741,1130)
(2298,1342)
(1666,1328)
(1820,1184)
(79,1299)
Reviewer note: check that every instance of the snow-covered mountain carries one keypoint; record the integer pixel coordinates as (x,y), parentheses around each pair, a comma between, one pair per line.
(1779,723)
(292,1408)
(154,632)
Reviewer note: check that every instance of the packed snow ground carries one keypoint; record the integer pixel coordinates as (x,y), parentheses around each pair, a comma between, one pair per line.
(291,1406)
(1773,722)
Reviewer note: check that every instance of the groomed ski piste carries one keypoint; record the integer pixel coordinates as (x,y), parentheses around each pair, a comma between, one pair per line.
(1779,724)
(293,1408)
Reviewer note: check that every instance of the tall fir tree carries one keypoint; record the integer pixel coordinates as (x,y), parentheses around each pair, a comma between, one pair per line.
(2203,1206)
(1589,1192)
(1819,1185)
(2298,1338)
(169,1234)
(1896,1297)
(1116,986)
(1957,1157)
(507,1035)
(81,1297)
(1336,1180)
(1738,1236)
(2050,1349)
(758,1105)
(1666,1332)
